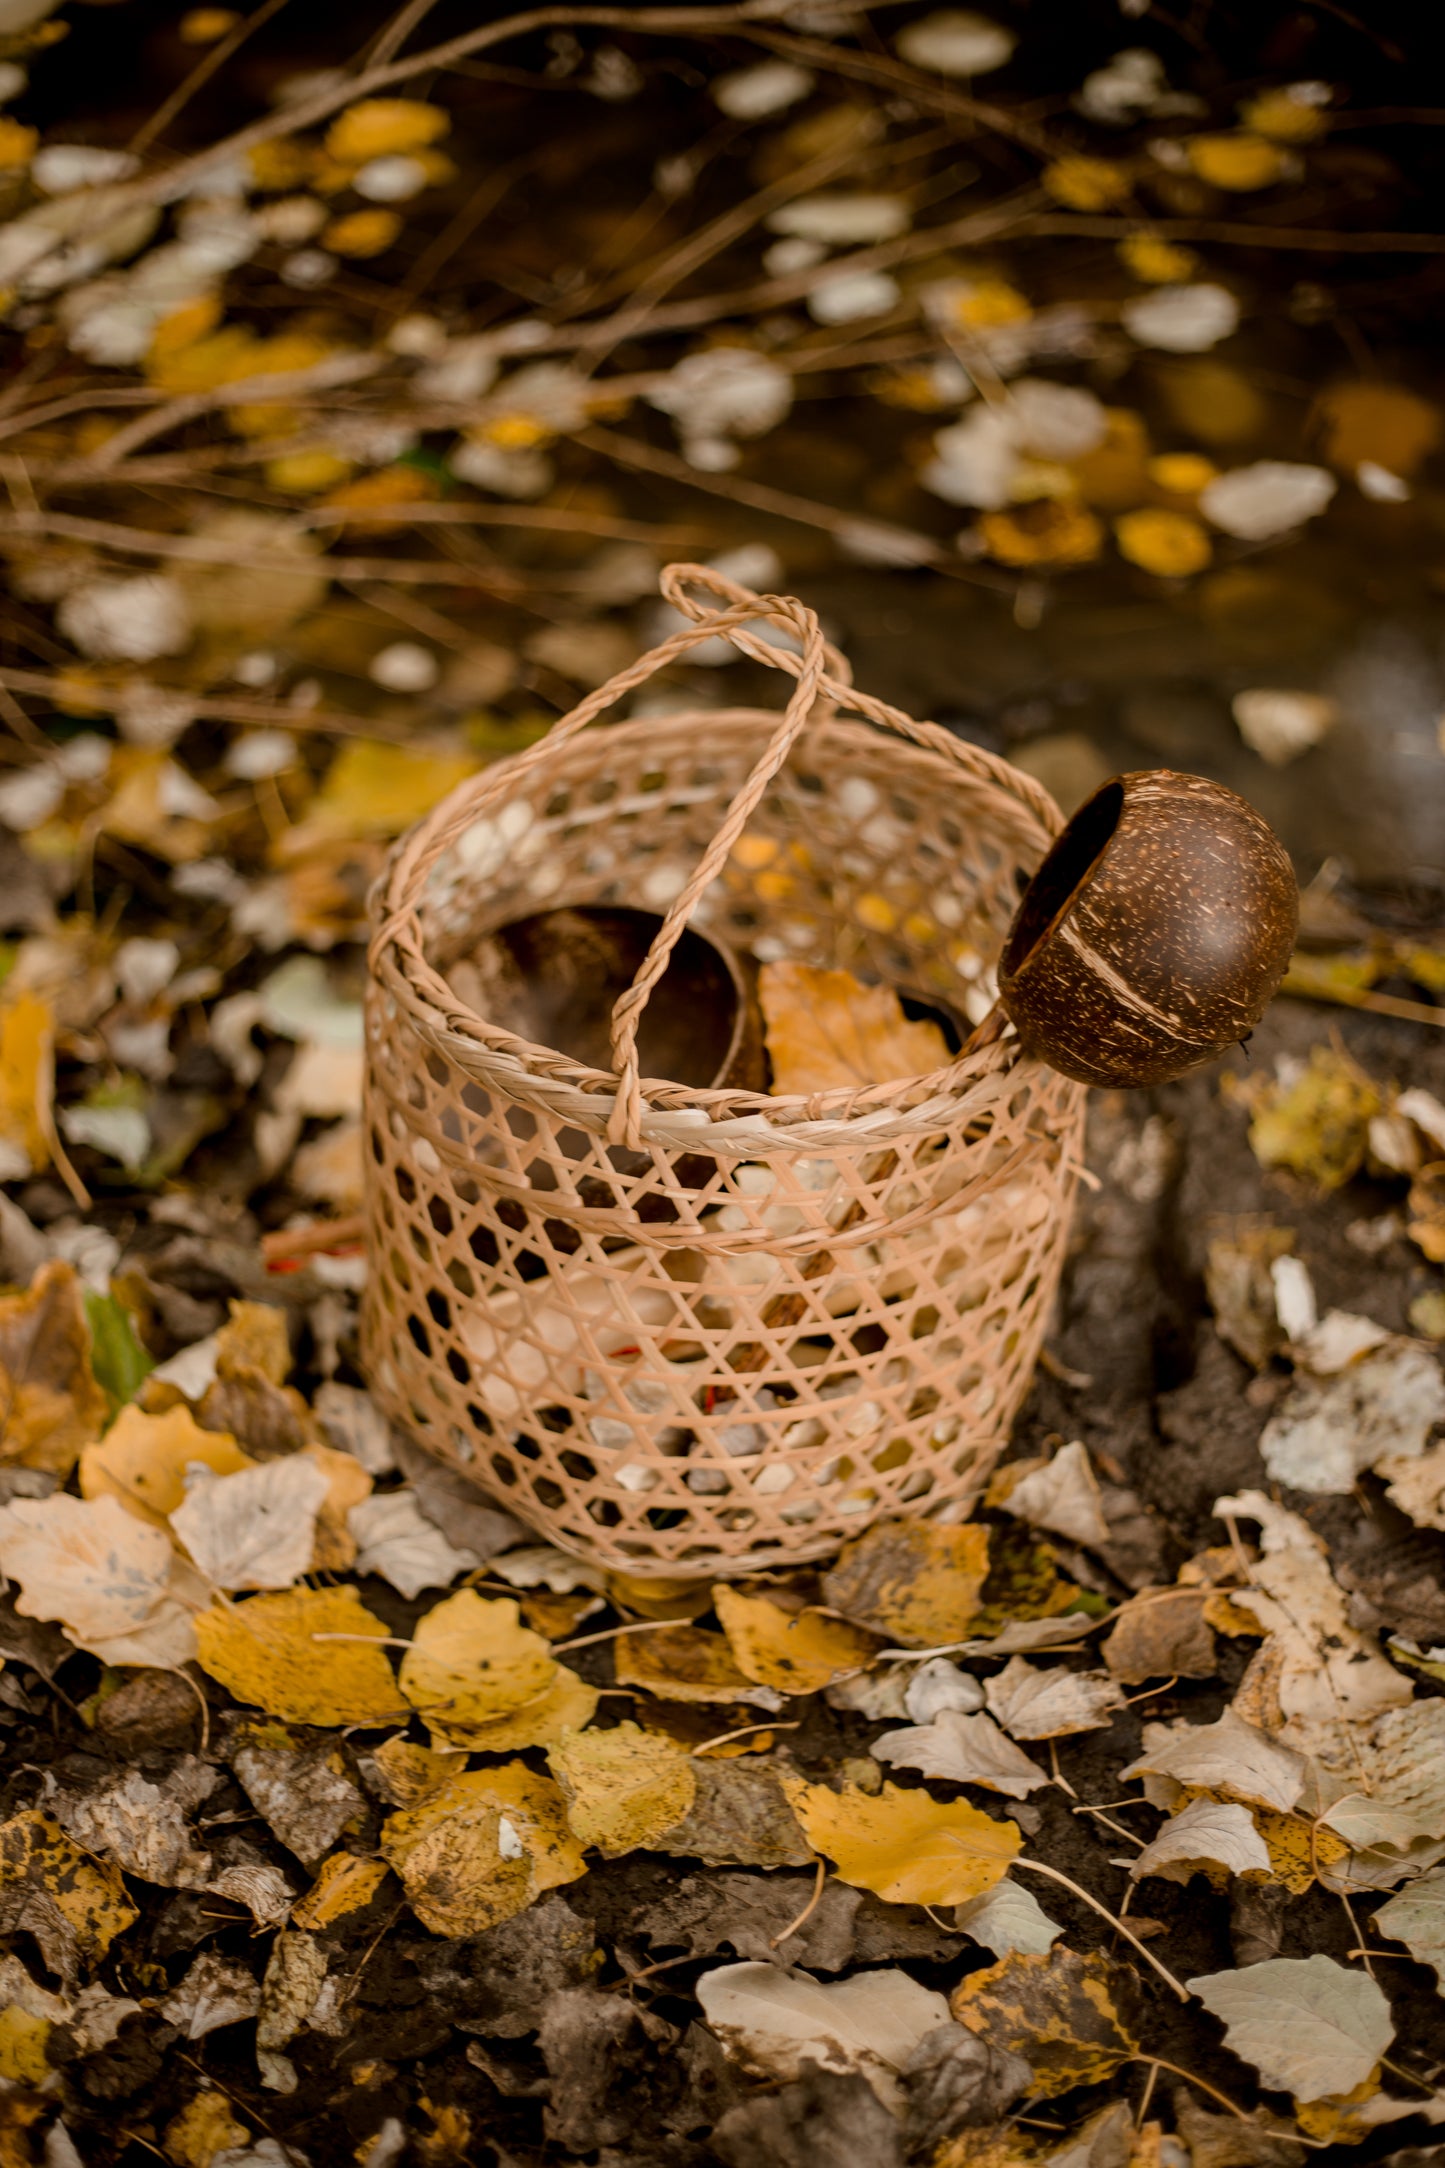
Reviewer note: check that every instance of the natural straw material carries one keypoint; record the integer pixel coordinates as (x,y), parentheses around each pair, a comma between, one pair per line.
(701,1331)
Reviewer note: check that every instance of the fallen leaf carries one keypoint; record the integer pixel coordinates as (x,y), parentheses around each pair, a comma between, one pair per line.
(1382,424)
(827,1031)
(1328,1430)
(403,1774)
(1317,1670)
(382,127)
(344,1884)
(1161,1633)
(1006,1918)
(624,1788)
(797,1652)
(1301,1851)
(27,1086)
(1051,531)
(302,1789)
(256,1529)
(293,1979)
(482,1679)
(1389,1796)
(1169,544)
(1310,2027)
(1317,1123)
(775,2023)
(74,1906)
(914,1581)
(142,1461)
(482,1848)
(1238,163)
(204,2128)
(1239,1284)
(394,1539)
(1217,1841)
(50,1404)
(1417,1486)
(1032,1703)
(269,1652)
(740,1817)
(903,1845)
(1061,1495)
(1416,1916)
(1229,1758)
(964,1749)
(142,1826)
(87,1562)
(1056,2010)
(372,789)
(683,1663)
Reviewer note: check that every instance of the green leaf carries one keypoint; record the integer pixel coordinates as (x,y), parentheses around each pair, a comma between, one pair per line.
(121,1365)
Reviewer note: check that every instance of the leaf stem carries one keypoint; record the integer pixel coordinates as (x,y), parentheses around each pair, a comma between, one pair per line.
(1036,1866)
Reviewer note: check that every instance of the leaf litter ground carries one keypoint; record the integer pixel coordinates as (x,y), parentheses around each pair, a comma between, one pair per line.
(339,1820)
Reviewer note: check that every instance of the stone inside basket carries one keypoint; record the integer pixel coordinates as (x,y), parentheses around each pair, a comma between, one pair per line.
(698,1331)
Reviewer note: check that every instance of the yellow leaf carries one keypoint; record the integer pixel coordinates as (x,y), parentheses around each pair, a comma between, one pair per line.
(1156,262)
(1168,543)
(204,26)
(184,325)
(347,1484)
(344,1884)
(1318,1124)
(306,474)
(17,144)
(681,1663)
(378,127)
(27,1083)
(473,1662)
(266,1652)
(1183,474)
(482,1849)
(74,1905)
(984,304)
(409,1773)
(624,1788)
(903,1845)
(1056,2010)
(666,1597)
(827,1031)
(1238,163)
(915,1581)
(378,501)
(1112,475)
(1211,400)
(23,2060)
(1426,1204)
(1297,1849)
(142,1461)
(50,1404)
(797,1652)
(280,165)
(1051,531)
(144,777)
(1086,184)
(1333,2122)
(362,233)
(204,2128)
(1383,423)
(373,789)
(1284,116)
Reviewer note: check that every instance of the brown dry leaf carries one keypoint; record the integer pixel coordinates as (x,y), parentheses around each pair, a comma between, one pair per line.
(1229,1758)
(344,1884)
(1060,1495)
(483,1848)
(1032,1703)
(1217,1841)
(1058,2011)
(74,1905)
(797,1652)
(406,1774)
(912,1580)
(682,1663)
(904,1846)
(481,1679)
(142,1461)
(827,1031)
(347,1485)
(1241,1291)
(50,1404)
(964,1749)
(739,1817)
(254,1337)
(624,1788)
(267,1652)
(1426,1205)
(1161,1633)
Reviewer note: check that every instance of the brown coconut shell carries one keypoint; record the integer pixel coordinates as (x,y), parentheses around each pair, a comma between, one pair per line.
(1153,935)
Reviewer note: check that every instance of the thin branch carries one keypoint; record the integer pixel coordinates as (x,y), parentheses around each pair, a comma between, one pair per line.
(1036,1866)
(210,64)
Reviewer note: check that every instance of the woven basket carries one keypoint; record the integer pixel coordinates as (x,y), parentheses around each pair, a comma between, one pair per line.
(688,1331)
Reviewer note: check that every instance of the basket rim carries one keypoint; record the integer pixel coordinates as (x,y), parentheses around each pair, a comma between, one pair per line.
(399,963)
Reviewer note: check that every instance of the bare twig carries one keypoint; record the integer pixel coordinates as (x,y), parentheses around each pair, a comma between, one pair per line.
(210,64)
(1036,1866)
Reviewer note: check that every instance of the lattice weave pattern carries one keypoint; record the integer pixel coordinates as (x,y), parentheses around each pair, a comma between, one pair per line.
(699,1332)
